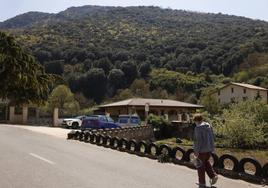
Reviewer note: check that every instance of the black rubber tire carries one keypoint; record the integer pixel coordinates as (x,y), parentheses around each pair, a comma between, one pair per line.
(108,141)
(133,142)
(140,144)
(71,135)
(91,137)
(162,147)
(81,136)
(124,142)
(157,153)
(187,155)
(215,159)
(174,151)
(102,140)
(259,170)
(115,140)
(75,125)
(86,136)
(236,167)
(97,141)
(265,170)
(77,133)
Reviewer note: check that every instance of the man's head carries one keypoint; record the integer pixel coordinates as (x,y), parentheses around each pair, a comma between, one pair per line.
(198,118)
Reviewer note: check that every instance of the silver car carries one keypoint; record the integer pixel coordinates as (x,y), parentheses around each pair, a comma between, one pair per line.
(129,120)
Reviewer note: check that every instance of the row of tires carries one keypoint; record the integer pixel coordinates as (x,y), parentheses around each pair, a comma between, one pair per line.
(177,155)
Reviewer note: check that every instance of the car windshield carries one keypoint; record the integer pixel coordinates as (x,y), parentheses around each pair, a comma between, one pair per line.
(134,120)
(92,118)
(79,117)
(110,120)
(123,120)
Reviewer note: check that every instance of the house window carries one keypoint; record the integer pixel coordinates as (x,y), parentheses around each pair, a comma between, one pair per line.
(232,90)
(232,100)
(219,100)
(245,91)
(245,98)
(219,92)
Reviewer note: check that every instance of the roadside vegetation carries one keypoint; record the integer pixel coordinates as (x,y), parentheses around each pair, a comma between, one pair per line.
(240,130)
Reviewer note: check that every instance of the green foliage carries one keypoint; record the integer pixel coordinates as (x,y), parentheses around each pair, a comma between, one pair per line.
(244,125)
(162,127)
(116,78)
(173,81)
(54,67)
(140,88)
(186,41)
(23,80)
(62,97)
(158,121)
(211,105)
(137,40)
(93,84)
(123,94)
(130,70)
(254,70)
(145,69)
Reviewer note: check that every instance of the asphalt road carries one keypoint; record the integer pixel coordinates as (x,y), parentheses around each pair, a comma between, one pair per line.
(33,160)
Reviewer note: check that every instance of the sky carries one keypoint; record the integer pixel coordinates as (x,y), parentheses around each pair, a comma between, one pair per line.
(256,9)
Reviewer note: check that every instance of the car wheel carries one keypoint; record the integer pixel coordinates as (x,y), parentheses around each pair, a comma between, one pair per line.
(75,125)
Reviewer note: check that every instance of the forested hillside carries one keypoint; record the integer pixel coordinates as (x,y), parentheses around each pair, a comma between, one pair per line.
(100,51)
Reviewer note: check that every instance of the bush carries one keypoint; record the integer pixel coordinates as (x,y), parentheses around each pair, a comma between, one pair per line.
(162,127)
(243,125)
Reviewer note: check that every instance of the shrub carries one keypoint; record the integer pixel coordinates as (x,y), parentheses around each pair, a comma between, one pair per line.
(243,125)
(161,126)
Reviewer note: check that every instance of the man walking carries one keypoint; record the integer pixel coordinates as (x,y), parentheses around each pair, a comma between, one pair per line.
(203,147)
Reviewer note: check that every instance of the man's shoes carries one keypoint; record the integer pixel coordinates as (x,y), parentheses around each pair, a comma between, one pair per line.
(214,180)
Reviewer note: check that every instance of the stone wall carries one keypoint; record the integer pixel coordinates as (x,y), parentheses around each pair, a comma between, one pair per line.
(137,133)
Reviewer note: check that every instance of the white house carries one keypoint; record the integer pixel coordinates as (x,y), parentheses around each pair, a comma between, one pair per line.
(236,92)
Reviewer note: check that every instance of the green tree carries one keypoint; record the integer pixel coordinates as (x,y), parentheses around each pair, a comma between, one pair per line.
(54,67)
(210,104)
(23,80)
(93,84)
(123,94)
(104,64)
(116,78)
(130,70)
(62,97)
(140,88)
(145,69)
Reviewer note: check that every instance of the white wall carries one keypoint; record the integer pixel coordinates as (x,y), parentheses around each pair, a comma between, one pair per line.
(226,94)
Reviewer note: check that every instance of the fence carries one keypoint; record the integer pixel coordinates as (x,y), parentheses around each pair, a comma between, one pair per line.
(39,117)
(175,155)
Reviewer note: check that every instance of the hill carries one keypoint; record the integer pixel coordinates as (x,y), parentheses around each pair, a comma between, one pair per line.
(94,40)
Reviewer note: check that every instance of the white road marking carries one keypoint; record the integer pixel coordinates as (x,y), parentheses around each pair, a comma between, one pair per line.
(42,158)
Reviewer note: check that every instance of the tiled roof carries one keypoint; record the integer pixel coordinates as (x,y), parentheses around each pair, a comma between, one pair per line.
(152,102)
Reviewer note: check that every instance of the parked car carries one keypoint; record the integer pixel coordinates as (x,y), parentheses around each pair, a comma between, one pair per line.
(74,123)
(98,122)
(129,120)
